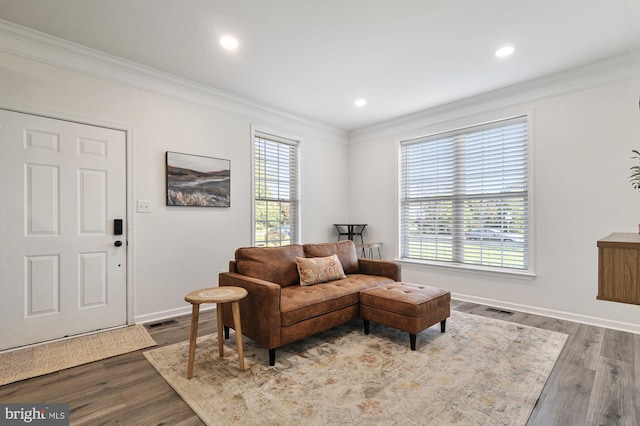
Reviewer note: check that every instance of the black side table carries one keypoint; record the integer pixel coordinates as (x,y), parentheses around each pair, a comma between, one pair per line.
(351,230)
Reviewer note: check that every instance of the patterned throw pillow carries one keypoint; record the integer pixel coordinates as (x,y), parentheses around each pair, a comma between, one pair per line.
(314,270)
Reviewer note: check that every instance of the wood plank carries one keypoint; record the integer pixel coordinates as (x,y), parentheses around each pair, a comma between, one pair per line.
(546,323)
(584,347)
(565,397)
(618,345)
(157,390)
(167,411)
(613,401)
(190,421)
(14,392)
(78,381)
(485,311)
(100,406)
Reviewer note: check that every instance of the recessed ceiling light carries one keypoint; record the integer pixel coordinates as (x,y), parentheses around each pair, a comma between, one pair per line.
(361,102)
(503,52)
(229,42)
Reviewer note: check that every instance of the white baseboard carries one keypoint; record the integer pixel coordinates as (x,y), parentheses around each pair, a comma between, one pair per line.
(170,313)
(582,319)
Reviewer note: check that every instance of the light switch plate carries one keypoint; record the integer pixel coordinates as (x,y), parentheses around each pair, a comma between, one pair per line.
(144,206)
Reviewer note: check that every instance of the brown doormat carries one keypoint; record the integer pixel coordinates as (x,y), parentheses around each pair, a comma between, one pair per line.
(50,357)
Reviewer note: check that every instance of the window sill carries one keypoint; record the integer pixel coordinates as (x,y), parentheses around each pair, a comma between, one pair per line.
(469,269)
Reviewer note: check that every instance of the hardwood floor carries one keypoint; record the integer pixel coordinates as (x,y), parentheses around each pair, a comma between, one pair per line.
(596,380)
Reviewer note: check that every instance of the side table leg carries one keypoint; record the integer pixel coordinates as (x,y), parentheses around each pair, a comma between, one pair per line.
(219,323)
(235,306)
(195,311)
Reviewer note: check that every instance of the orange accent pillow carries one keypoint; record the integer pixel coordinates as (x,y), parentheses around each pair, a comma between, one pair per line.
(315,270)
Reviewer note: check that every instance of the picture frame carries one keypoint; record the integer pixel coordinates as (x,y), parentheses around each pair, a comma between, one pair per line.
(197,181)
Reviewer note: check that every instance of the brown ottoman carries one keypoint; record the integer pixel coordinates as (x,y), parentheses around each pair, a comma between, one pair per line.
(407,307)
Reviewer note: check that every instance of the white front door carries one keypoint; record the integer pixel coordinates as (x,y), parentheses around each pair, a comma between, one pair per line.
(62,270)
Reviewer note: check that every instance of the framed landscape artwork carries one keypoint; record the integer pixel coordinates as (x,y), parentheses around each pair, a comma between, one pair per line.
(194,180)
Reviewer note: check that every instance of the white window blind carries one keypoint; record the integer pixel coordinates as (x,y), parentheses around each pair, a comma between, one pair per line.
(275,171)
(464,196)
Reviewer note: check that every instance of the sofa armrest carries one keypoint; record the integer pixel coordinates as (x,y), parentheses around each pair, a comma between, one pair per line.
(259,311)
(383,268)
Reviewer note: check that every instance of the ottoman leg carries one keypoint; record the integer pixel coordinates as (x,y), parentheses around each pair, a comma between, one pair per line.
(412,340)
(366,326)
(443,323)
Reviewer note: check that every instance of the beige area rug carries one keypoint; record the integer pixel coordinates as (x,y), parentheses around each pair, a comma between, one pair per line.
(480,372)
(50,357)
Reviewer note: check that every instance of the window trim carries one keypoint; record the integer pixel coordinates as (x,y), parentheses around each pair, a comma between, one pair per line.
(283,137)
(466,124)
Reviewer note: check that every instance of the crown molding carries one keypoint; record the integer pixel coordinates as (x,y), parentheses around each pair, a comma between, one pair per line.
(611,70)
(34,45)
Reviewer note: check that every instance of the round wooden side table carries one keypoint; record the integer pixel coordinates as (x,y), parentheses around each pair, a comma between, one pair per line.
(217,295)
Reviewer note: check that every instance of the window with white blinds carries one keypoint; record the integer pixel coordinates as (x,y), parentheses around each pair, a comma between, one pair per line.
(464,196)
(275,183)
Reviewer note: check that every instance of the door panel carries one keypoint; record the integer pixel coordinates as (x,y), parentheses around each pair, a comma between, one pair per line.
(61,186)
(42,285)
(42,189)
(93,279)
(92,202)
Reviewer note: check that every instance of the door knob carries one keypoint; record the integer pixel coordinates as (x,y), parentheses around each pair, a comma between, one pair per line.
(118,243)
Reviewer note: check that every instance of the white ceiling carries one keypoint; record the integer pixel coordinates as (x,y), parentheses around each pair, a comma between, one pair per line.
(313,58)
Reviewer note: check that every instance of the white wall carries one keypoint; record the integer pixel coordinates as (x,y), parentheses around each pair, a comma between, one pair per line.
(179,249)
(581,141)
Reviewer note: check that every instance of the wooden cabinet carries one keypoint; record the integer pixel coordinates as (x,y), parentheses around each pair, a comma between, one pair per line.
(619,268)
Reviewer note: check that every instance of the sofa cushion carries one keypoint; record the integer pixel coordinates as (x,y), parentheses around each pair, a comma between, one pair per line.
(346,251)
(314,270)
(275,264)
(298,303)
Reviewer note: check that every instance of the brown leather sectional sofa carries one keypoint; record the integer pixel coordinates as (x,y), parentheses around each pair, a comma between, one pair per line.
(278,310)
